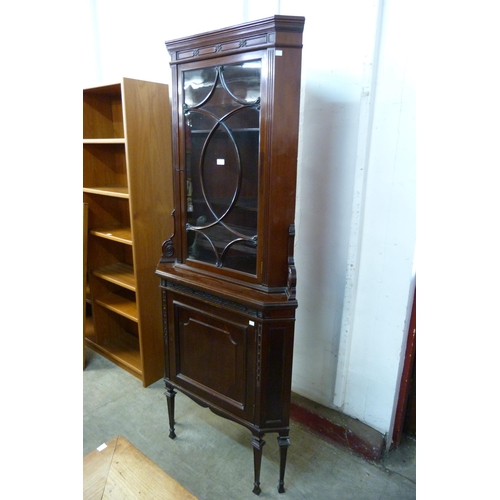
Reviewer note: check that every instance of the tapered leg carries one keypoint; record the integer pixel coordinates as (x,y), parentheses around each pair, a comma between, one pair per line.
(170,393)
(257,444)
(284,443)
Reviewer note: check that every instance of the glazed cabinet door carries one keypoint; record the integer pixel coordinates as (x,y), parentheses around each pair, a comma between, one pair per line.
(211,354)
(219,118)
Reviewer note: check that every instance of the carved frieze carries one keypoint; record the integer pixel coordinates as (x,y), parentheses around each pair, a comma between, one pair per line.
(214,299)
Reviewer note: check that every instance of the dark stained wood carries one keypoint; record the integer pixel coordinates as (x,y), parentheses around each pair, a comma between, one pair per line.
(407,391)
(229,324)
(279,115)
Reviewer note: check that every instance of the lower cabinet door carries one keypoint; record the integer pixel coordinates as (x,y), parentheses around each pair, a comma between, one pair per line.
(211,353)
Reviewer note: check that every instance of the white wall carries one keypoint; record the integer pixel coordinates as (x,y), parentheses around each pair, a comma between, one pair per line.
(338,48)
(127,37)
(355,221)
(376,320)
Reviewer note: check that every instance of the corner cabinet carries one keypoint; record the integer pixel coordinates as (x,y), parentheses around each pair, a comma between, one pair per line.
(227,272)
(127,185)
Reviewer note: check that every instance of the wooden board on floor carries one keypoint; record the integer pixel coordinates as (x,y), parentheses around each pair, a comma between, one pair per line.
(120,471)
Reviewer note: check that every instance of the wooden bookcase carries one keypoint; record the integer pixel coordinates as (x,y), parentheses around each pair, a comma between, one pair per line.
(127,161)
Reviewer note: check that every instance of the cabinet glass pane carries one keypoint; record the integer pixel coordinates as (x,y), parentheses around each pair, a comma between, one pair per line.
(221,123)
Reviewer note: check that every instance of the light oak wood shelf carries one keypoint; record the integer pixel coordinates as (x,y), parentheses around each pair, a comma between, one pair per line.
(119,192)
(118,140)
(119,273)
(127,184)
(121,234)
(120,305)
(123,351)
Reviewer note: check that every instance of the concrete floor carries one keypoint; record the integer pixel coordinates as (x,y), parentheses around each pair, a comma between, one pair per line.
(213,458)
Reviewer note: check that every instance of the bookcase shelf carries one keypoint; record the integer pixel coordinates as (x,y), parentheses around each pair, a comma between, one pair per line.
(127,185)
(119,273)
(119,192)
(120,305)
(121,234)
(104,141)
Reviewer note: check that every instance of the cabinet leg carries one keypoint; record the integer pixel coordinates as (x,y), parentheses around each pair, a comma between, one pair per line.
(170,393)
(284,443)
(257,444)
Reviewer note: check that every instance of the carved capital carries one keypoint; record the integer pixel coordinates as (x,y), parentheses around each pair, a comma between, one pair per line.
(167,251)
(167,247)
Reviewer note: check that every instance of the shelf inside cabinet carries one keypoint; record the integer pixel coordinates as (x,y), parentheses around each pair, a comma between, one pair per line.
(119,305)
(119,273)
(120,234)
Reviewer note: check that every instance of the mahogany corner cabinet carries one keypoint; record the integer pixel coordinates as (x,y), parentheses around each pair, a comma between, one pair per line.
(227,273)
